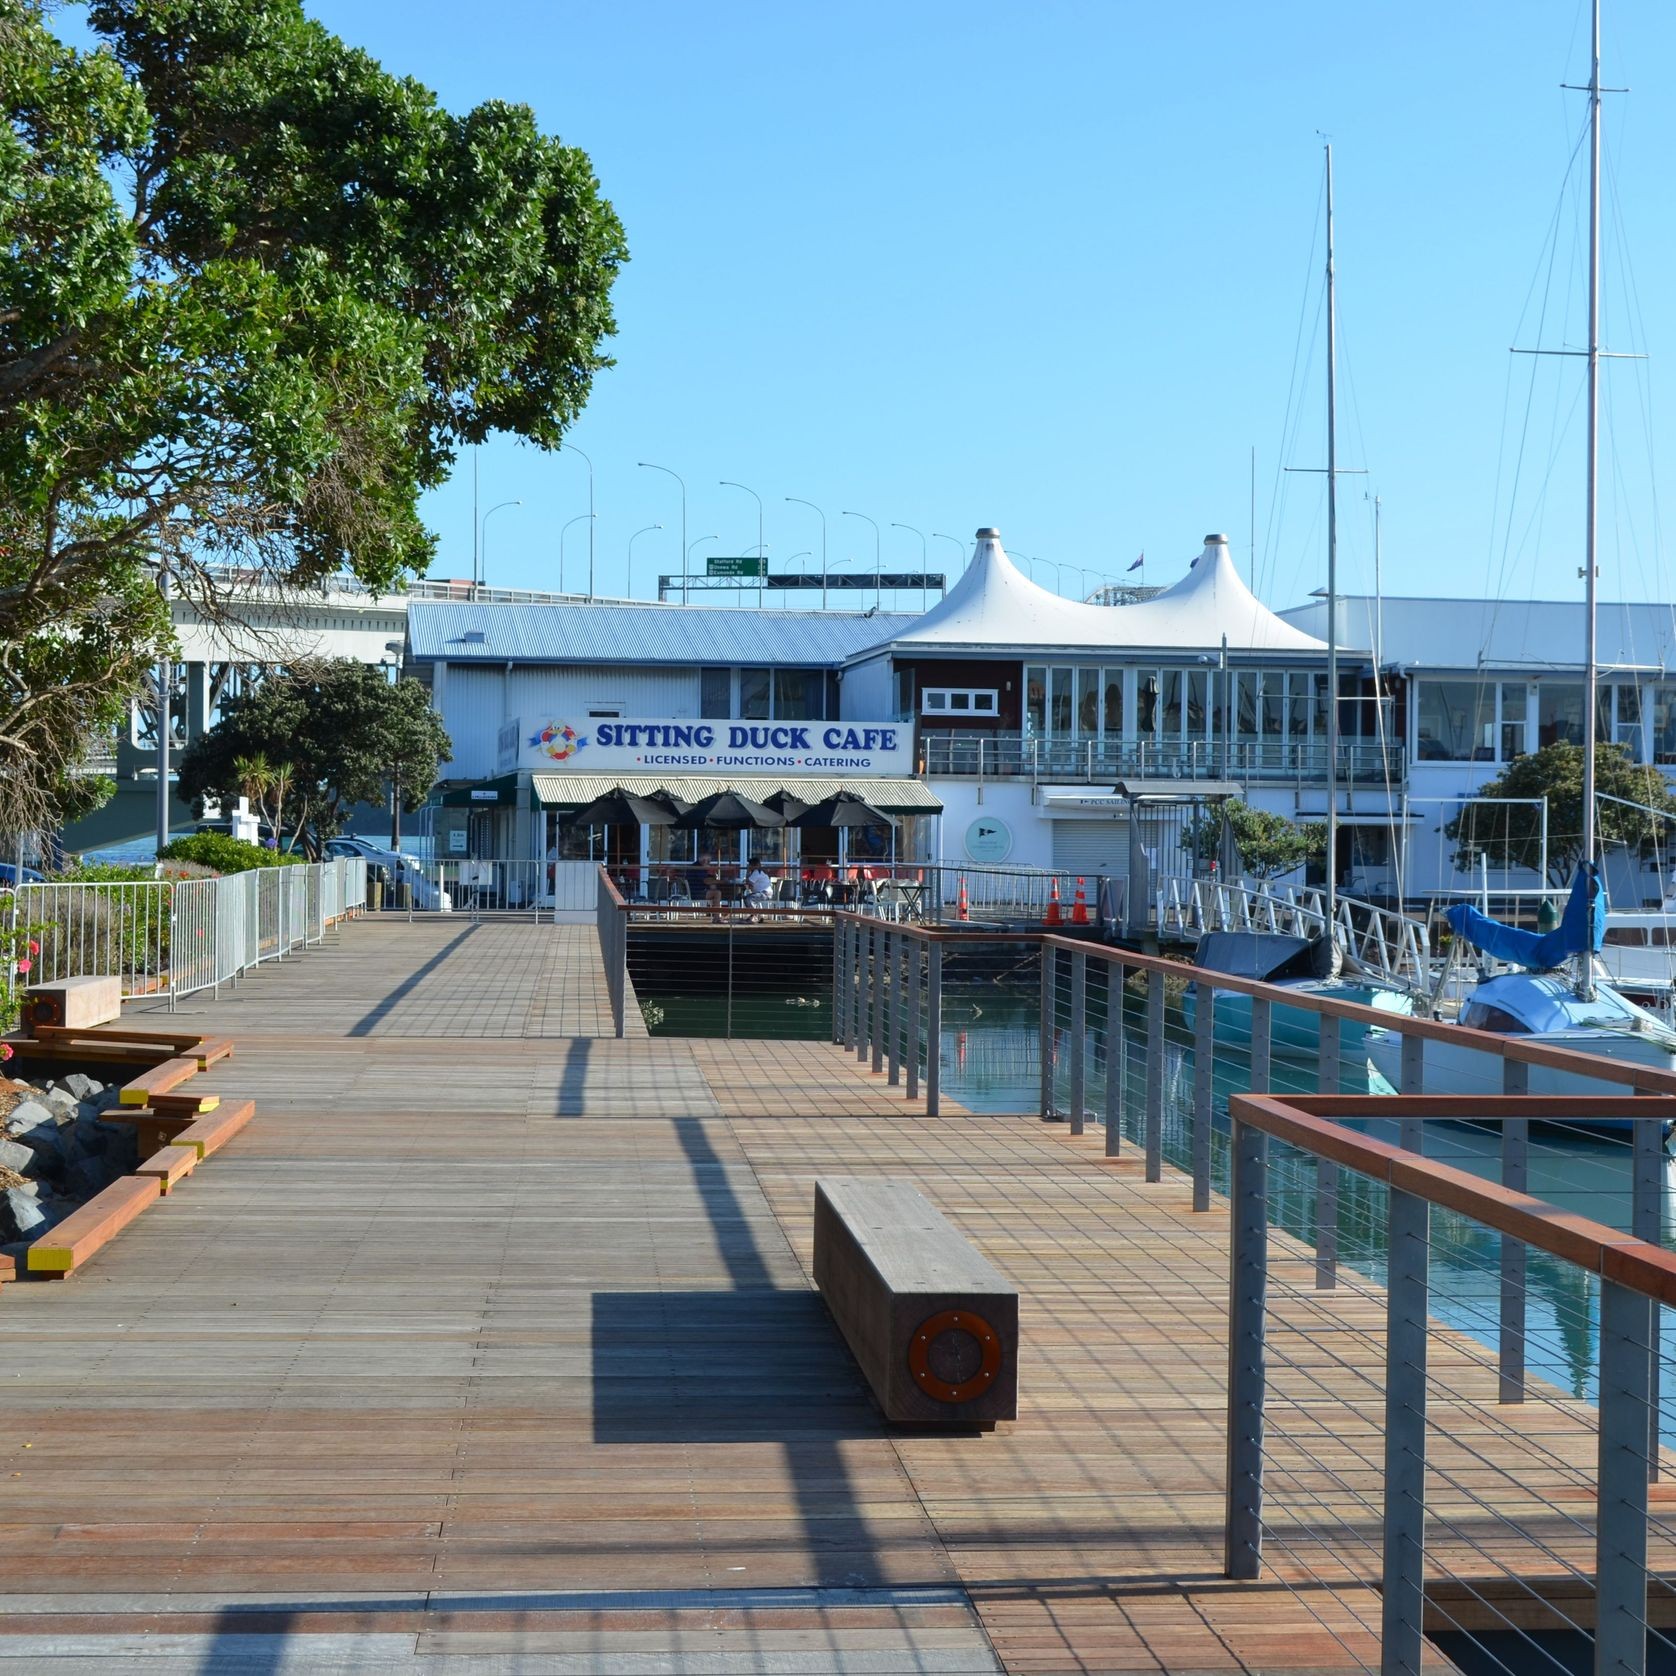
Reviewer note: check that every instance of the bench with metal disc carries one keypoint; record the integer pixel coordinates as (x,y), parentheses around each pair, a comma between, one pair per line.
(931,1321)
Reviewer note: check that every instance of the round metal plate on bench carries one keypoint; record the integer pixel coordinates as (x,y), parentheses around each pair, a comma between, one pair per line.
(954,1355)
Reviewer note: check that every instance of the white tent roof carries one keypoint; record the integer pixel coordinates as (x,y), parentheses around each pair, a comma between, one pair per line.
(996,606)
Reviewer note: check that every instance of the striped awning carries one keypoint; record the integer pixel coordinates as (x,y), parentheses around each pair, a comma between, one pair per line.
(891,797)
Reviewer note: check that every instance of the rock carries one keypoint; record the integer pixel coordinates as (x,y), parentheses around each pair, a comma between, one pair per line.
(50,1147)
(107,1097)
(88,1176)
(61,1104)
(22,1216)
(82,1088)
(16,1156)
(31,1114)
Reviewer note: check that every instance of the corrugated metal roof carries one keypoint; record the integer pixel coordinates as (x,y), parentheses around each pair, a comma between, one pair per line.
(641,634)
(894,797)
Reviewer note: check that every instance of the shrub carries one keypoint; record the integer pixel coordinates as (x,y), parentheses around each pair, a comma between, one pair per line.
(223,853)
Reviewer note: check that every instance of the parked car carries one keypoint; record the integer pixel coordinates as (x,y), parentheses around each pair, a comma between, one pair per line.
(9,874)
(398,870)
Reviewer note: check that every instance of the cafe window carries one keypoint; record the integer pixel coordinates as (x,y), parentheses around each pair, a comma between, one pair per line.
(1456,721)
(1515,710)
(1035,700)
(1664,722)
(754,691)
(1559,713)
(1061,708)
(715,692)
(1088,702)
(1113,716)
(797,695)
(961,701)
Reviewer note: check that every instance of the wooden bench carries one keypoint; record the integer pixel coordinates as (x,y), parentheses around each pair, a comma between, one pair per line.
(210,1134)
(83,1232)
(932,1323)
(72,1003)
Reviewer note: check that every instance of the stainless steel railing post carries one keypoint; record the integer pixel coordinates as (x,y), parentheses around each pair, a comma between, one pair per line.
(1626,1361)
(916,954)
(893,1044)
(1204,1090)
(1404,1561)
(1515,1175)
(934,1031)
(1248,1271)
(1079,1030)
(1155,1076)
(1045,1048)
(1115,1056)
(1326,1171)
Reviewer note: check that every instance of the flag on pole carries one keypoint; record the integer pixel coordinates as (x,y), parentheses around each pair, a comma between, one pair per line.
(1138,562)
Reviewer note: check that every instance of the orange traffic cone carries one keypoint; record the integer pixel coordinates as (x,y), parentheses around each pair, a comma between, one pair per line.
(962,909)
(1052,916)
(1079,908)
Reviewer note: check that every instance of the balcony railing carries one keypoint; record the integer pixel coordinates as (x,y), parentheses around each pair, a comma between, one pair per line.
(1013,756)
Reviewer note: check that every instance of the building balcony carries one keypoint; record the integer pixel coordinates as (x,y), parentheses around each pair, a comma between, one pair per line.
(974,754)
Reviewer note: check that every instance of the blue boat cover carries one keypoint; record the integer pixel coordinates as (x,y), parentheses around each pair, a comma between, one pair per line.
(1581,930)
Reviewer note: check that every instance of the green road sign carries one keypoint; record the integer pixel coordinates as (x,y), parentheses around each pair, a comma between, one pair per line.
(723,565)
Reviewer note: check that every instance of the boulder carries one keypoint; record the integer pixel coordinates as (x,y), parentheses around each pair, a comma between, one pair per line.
(30,1114)
(16,1156)
(82,1088)
(61,1104)
(22,1216)
(88,1176)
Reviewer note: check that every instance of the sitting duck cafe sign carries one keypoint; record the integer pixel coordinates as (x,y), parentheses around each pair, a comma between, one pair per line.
(600,744)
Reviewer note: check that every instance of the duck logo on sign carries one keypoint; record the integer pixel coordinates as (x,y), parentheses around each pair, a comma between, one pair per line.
(558,740)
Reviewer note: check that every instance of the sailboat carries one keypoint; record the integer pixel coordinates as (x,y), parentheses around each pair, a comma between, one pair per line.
(1307,965)
(1557,997)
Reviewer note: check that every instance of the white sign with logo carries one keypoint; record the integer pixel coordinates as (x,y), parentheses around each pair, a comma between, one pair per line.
(632,745)
(988,839)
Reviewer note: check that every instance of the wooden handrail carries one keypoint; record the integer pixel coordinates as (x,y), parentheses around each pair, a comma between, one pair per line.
(1575,1239)
(1547,1108)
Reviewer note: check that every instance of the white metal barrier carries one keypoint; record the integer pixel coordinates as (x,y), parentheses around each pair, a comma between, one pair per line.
(174,937)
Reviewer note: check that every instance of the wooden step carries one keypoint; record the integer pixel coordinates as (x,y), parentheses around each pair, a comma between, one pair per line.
(77,1047)
(176,1041)
(158,1080)
(210,1134)
(184,1105)
(170,1164)
(210,1050)
(83,1232)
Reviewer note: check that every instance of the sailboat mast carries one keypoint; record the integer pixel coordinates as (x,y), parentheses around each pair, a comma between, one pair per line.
(1591,568)
(1332,567)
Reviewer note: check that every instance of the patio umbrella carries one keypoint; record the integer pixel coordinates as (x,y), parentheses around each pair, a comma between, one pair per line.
(731,812)
(842,809)
(785,803)
(620,808)
(675,805)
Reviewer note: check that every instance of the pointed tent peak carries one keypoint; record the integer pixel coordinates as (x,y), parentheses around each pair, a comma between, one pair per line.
(995,603)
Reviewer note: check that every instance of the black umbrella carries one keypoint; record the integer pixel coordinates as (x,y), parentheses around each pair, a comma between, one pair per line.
(675,805)
(785,803)
(842,809)
(731,812)
(621,808)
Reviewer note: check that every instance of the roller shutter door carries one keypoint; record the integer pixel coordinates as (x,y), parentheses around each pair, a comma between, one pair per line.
(1092,847)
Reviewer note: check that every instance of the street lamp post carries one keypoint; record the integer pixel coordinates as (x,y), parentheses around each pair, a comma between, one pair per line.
(687,561)
(762,548)
(483,538)
(964,551)
(924,590)
(580,517)
(571,446)
(648,466)
(878,561)
(795,501)
(632,539)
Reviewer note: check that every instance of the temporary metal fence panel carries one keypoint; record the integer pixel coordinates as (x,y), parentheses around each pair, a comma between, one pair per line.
(86,929)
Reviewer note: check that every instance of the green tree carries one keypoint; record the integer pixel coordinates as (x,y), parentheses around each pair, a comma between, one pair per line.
(255,293)
(347,735)
(1270,845)
(1510,833)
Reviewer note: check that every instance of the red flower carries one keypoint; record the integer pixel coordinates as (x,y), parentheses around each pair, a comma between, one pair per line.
(34,947)
(24,965)
(5,1052)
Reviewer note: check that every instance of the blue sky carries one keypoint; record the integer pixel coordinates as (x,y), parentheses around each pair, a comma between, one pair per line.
(1043,265)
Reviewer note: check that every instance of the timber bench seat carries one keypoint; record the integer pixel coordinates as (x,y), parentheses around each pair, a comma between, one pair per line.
(210,1134)
(931,1321)
(67,1246)
(160,1079)
(73,1003)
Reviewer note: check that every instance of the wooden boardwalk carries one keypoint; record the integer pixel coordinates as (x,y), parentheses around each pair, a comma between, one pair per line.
(490,1346)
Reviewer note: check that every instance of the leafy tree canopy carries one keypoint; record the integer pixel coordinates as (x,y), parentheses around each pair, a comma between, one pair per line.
(255,292)
(1270,845)
(338,732)
(1510,832)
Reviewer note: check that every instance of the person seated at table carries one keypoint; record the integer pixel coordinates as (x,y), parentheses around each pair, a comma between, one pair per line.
(760,884)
